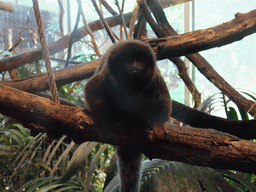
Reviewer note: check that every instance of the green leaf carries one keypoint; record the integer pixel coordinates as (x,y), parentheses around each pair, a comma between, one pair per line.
(243,113)
(250,95)
(161,175)
(231,113)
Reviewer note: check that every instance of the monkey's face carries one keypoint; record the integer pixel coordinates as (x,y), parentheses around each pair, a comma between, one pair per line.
(132,68)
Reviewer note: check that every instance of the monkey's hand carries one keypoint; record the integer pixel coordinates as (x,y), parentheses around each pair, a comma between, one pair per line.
(157,131)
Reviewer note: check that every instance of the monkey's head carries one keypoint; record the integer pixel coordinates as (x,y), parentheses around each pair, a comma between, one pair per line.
(132,64)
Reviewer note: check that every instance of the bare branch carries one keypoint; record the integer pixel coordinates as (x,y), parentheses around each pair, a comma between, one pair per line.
(135,13)
(95,46)
(188,43)
(248,22)
(109,31)
(62,77)
(122,17)
(185,144)
(55,47)
(107,6)
(14,74)
(158,28)
(242,25)
(61,14)
(73,34)
(46,53)
(6,7)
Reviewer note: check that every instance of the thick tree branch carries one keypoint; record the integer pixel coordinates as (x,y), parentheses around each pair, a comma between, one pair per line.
(64,76)
(185,144)
(192,42)
(6,7)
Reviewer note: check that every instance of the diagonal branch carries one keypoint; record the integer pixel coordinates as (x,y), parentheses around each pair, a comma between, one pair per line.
(160,32)
(106,26)
(46,54)
(234,30)
(55,47)
(108,7)
(217,36)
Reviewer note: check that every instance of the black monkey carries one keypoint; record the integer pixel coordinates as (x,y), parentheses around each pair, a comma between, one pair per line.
(127,87)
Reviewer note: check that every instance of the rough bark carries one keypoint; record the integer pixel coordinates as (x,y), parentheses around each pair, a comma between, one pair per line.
(64,76)
(205,147)
(217,36)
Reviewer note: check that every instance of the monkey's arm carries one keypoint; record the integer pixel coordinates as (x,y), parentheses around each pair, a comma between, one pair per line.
(94,90)
(200,119)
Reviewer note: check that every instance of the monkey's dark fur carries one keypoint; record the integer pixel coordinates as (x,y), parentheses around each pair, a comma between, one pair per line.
(127,87)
